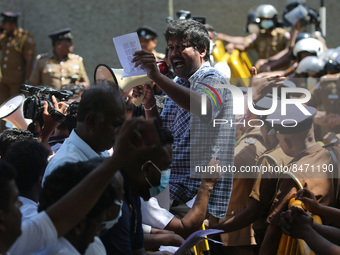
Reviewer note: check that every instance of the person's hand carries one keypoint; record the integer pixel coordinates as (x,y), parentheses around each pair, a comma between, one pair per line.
(296,222)
(321,121)
(211,179)
(210,223)
(149,98)
(333,119)
(262,86)
(260,62)
(129,144)
(49,122)
(329,137)
(230,47)
(264,68)
(309,200)
(147,60)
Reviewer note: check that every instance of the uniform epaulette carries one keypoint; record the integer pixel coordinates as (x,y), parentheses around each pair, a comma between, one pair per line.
(76,56)
(330,77)
(42,56)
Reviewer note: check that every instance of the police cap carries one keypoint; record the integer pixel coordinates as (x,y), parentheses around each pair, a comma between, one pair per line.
(10,17)
(61,34)
(147,32)
(295,121)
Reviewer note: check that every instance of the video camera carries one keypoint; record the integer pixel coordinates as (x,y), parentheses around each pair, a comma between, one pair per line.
(33,105)
(182,14)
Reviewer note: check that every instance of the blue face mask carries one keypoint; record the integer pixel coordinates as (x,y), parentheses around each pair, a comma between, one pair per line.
(267,24)
(111,223)
(165,177)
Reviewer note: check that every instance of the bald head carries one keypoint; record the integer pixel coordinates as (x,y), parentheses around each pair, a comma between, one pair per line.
(97,100)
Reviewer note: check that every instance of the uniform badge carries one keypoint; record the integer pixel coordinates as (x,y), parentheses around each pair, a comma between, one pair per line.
(250,140)
(30,40)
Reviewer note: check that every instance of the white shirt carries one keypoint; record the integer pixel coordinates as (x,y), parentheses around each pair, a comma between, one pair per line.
(28,209)
(96,248)
(38,233)
(62,247)
(74,149)
(153,215)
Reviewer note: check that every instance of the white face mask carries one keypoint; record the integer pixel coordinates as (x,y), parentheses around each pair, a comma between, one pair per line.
(111,223)
(311,82)
(253,29)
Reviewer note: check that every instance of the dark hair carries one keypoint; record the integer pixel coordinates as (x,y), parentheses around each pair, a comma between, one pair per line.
(29,157)
(65,178)
(97,99)
(7,174)
(211,29)
(9,136)
(192,31)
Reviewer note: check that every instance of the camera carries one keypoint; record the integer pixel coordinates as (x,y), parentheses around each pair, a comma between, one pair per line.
(182,14)
(33,105)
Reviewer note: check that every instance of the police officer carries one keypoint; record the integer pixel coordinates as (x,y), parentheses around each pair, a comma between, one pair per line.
(271,38)
(326,94)
(17,48)
(310,167)
(147,37)
(62,67)
(248,149)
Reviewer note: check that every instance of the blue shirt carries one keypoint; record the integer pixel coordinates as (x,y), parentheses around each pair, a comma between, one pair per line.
(73,149)
(196,141)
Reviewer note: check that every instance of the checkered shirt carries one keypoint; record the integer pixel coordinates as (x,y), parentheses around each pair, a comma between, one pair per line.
(196,140)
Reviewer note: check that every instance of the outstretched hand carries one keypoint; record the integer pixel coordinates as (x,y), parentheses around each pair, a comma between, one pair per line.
(262,86)
(309,200)
(129,144)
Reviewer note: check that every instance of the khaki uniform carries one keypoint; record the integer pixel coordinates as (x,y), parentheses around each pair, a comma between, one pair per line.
(327,94)
(159,56)
(249,148)
(264,188)
(268,45)
(13,51)
(313,178)
(49,71)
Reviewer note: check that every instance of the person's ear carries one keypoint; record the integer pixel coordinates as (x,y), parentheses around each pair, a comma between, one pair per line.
(203,52)
(80,227)
(146,168)
(90,120)
(288,143)
(39,181)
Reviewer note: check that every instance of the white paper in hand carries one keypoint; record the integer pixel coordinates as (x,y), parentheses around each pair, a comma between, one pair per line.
(126,45)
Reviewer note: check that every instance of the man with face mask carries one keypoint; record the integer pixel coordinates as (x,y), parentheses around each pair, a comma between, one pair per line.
(238,42)
(271,38)
(144,177)
(326,93)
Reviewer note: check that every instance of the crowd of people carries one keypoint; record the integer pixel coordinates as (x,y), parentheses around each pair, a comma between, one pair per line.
(110,177)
